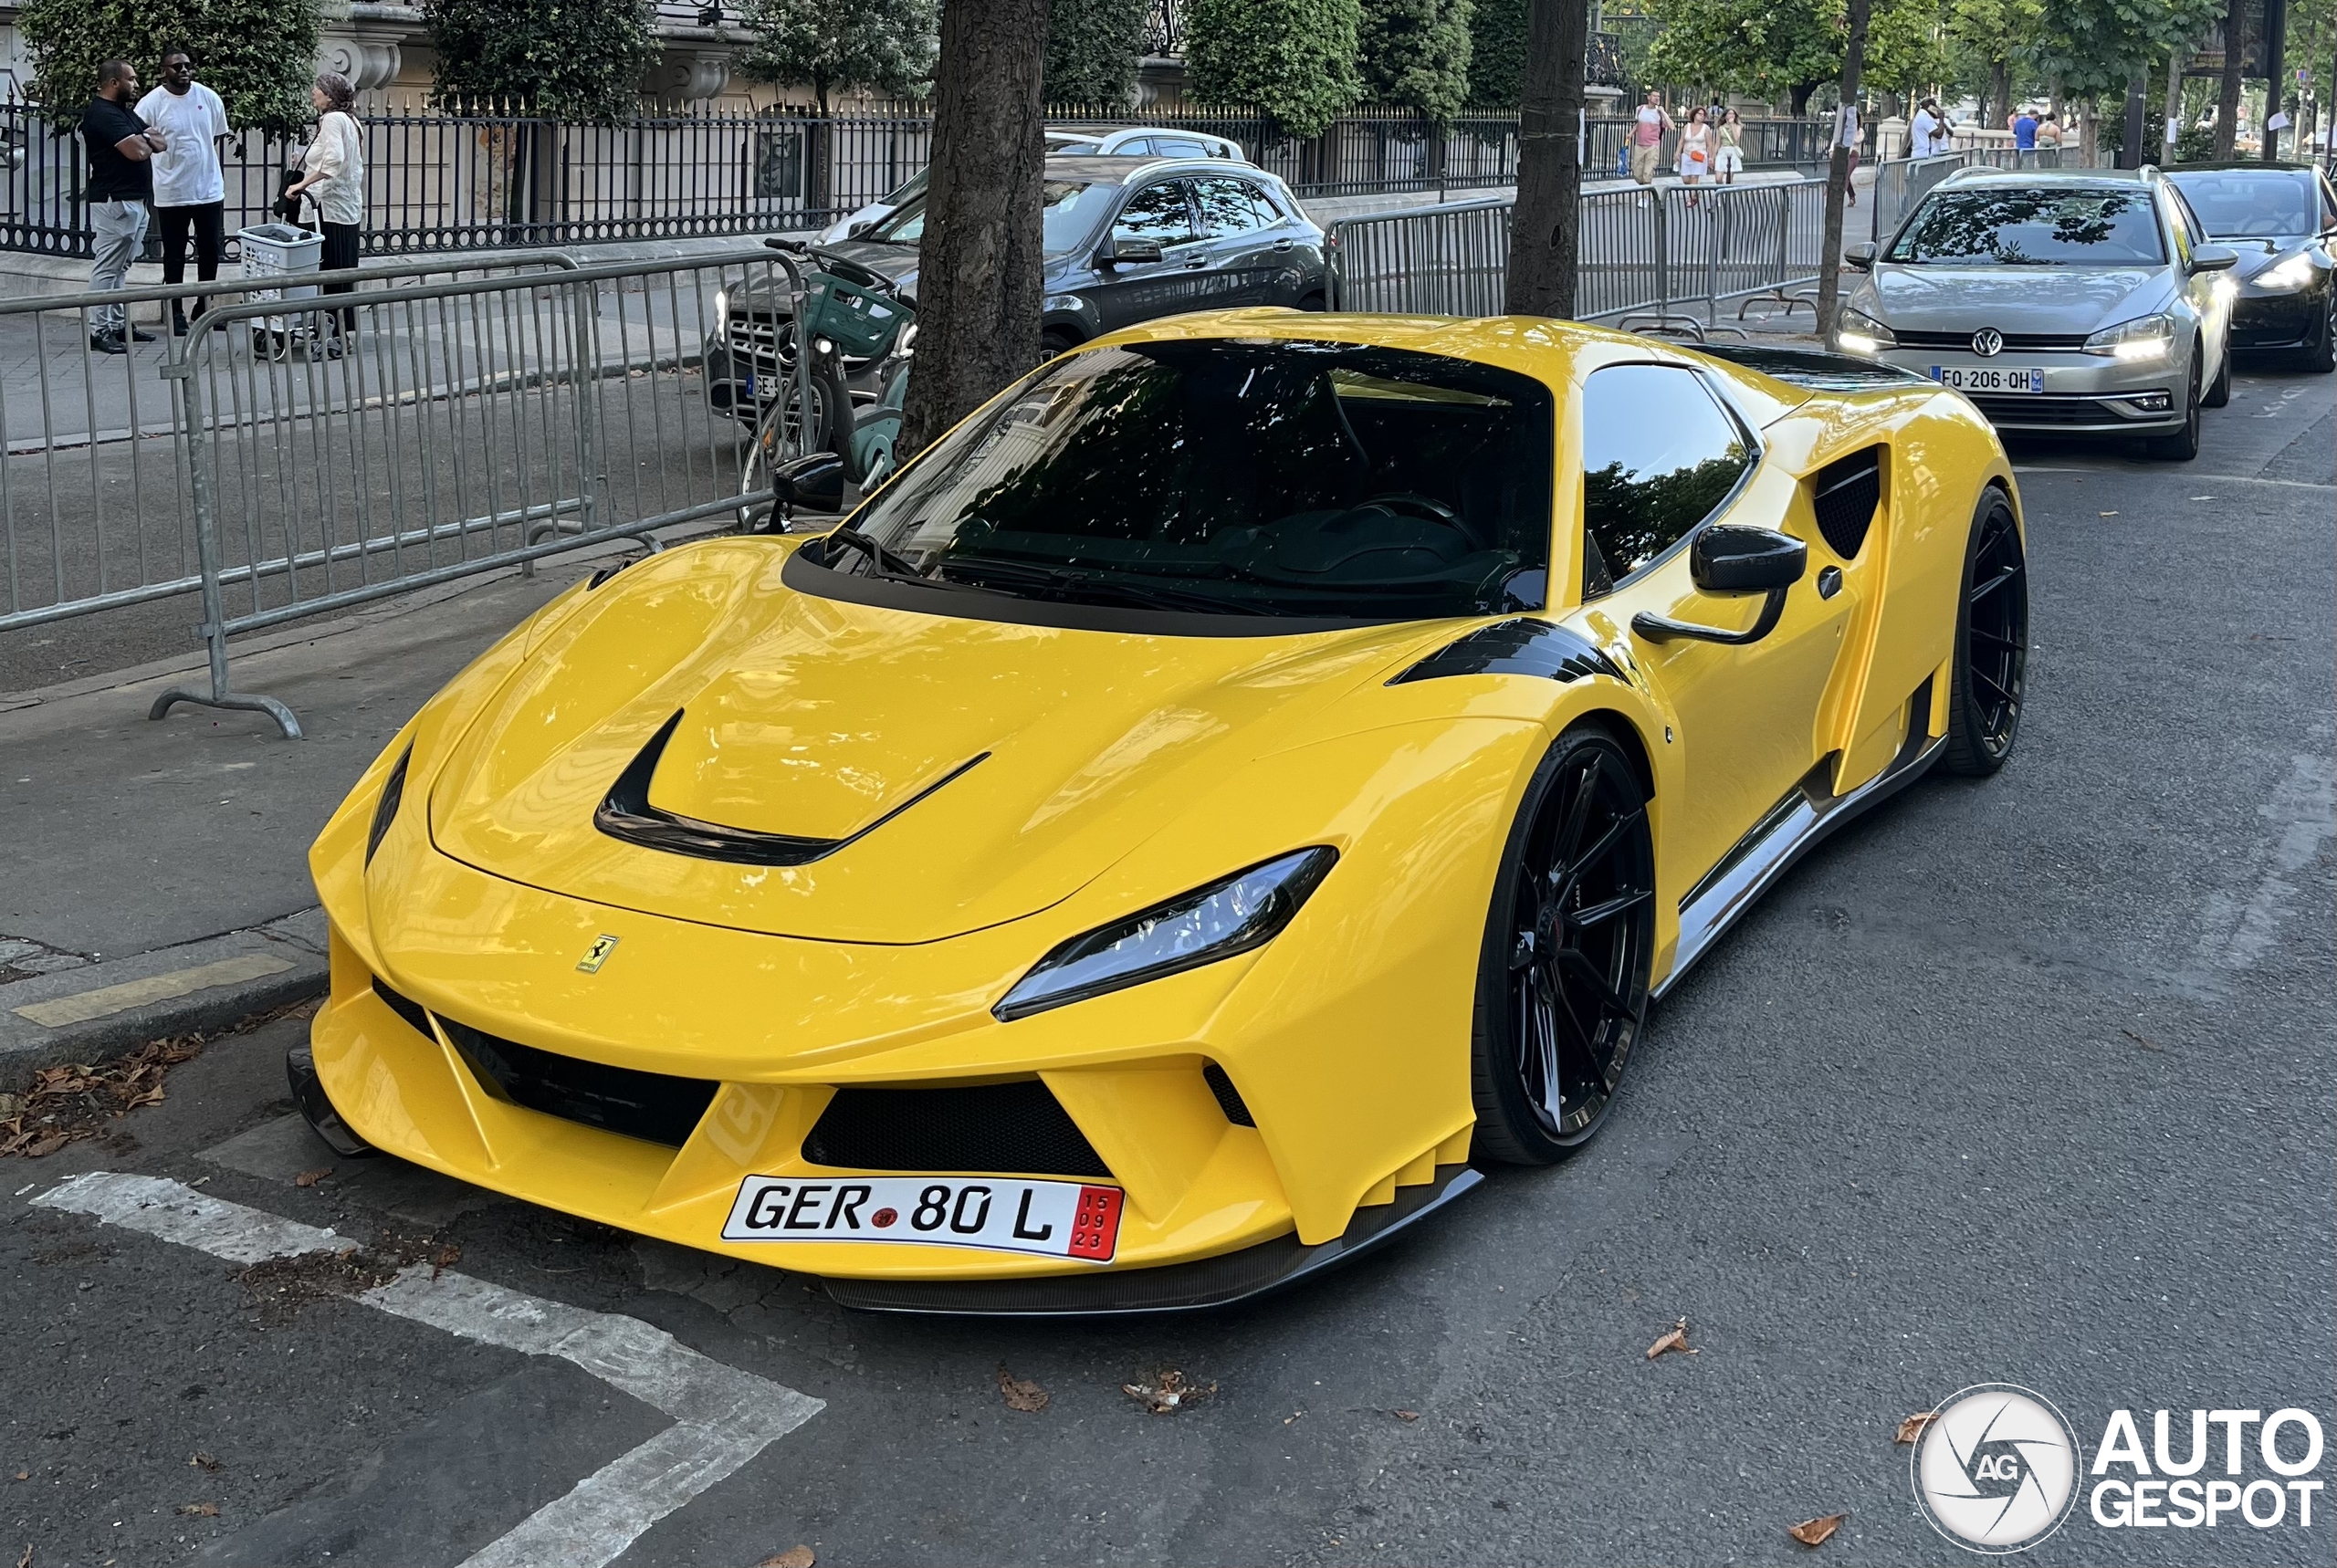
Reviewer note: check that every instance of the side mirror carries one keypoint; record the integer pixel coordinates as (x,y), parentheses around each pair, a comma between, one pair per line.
(1127,250)
(1732,559)
(861,227)
(813,481)
(2214,259)
(1860,258)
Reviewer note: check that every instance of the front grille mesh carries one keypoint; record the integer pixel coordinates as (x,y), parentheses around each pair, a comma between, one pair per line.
(992,1128)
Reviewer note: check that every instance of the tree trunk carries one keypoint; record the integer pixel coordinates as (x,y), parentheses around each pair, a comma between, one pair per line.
(2088,132)
(1838,171)
(2275,38)
(2131,151)
(1999,95)
(2174,59)
(2227,90)
(979,267)
(1545,225)
(1801,91)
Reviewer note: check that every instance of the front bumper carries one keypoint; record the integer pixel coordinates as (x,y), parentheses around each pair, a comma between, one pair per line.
(2085,395)
(2278,320)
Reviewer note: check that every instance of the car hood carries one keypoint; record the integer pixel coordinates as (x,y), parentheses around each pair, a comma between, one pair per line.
(2042,299)
(2258,253)
(992,769)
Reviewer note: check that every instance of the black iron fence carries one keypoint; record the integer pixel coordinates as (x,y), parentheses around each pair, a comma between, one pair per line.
(445,183)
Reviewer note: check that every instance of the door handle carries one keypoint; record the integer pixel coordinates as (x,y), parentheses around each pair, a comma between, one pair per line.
(1282,245)
(1197,263)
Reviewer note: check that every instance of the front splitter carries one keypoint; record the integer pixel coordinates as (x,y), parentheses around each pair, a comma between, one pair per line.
(1170,1288)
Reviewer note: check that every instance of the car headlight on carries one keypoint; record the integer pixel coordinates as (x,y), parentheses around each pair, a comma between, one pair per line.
(1860,333)
(2287,276)
(2142,338)
(1233,915)
(721,313)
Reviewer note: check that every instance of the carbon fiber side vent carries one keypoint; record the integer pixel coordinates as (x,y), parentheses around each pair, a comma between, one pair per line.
(1515,648)
(1844,494)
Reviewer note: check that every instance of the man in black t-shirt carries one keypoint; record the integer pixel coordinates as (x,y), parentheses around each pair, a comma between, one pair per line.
(121,146)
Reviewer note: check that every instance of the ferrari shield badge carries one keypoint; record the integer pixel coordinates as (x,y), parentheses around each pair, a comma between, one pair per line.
(597,954)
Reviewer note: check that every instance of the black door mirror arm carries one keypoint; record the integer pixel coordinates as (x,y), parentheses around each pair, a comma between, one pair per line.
(1663,629)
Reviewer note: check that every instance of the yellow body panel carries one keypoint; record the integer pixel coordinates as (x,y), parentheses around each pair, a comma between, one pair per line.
(1119,769)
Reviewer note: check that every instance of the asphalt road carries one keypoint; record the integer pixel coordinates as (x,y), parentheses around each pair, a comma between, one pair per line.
(2026,1081)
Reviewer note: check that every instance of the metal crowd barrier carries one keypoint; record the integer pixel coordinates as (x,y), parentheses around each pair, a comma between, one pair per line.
(291,457)
(1656,251)
(1900,183)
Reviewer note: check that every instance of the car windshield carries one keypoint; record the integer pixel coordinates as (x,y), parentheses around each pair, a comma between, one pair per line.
(1239,478)
(1991,227)
(2231,204)
(1073,210)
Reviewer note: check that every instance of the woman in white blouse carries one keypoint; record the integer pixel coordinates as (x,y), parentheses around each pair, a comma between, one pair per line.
(331,192)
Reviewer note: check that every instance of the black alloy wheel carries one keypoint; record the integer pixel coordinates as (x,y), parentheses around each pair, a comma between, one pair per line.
(1562,987)
(2322,357)
(1991,645)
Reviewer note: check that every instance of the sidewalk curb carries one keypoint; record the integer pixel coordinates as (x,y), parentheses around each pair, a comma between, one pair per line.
(108,1009)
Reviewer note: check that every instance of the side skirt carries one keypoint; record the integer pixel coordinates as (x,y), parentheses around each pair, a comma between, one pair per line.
(1790,831)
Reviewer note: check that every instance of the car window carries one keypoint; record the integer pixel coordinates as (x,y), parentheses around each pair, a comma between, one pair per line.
(1993,226)
(1658,455)
(2186,232)
(1242,478)
(2328,202)
(1132,147)
(1180,147)
(2246,204)
(1070,213)
(1158,213)
(1228,207)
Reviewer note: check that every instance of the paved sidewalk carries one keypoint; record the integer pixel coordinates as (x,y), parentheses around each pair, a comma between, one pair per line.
(154,876)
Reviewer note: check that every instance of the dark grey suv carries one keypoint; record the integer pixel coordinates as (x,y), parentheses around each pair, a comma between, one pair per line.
(1126,240)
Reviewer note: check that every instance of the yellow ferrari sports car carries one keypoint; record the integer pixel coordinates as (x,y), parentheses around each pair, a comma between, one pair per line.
(1255,766)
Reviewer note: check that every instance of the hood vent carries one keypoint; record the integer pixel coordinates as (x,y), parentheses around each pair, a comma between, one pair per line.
(625,813)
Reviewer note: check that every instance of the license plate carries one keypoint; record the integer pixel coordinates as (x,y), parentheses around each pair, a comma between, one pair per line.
(1050,1218)
(1969,378)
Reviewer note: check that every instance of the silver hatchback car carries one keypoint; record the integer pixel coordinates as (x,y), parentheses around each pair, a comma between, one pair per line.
(2064,303)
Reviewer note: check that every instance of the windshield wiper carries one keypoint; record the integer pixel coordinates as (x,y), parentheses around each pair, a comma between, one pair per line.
(1056,583)
(886,562)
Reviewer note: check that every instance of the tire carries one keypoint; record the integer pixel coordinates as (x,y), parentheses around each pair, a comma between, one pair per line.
(1987,678)
(2219,394)
(2321,357)
(2183,444)
(1313,302)
(1580,847)
(1056,341)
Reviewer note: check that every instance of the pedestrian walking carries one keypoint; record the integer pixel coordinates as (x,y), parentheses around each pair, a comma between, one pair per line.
(330,196)
(1695,159)
(1647,140)
(2024,138)
(1728,161)
(120,147)
(190,190)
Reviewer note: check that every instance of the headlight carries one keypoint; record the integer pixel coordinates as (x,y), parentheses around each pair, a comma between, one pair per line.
(2296,272)
(1245,910)
(721,313)
(1860,333)
(2144,338)
(385,810)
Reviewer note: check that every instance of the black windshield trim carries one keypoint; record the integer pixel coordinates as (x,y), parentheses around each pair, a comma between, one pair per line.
(805,575)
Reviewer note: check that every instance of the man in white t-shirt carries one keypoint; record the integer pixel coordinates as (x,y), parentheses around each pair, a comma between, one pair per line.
(190,190)
(1928,135)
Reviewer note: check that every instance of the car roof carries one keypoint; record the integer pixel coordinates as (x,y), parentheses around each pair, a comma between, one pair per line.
(2074,179)
(1121,168)
(2240,166)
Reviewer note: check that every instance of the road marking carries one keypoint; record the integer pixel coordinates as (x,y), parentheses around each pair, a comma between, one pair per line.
(2234,934)
(2218,478)
(722,1417)
(106,1000)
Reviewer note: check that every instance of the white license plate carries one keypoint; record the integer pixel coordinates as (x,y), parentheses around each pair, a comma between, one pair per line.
(1050,1218)
(1969,378)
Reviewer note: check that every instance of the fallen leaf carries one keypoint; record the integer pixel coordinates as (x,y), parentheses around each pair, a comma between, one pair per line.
(1167,1393)
(793,1557)
(46,1144)
(310,1178)
(23,1475)
(1022,1396)
(11,1107)
(206,1462)
(1405,1415)
(446,1257)
(1814,1531)
(1676,1340)
(26,1560)
(200,1509)
(1913,1426)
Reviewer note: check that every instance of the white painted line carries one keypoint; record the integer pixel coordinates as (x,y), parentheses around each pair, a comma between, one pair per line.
(722,1416)
(106,1000)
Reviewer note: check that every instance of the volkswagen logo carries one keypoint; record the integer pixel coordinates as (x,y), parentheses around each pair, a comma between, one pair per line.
(1988,342)
(1996,1470)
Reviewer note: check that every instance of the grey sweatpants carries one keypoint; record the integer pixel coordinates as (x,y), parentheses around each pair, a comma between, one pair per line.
(117,233)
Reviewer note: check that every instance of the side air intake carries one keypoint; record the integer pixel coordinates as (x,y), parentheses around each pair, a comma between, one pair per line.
(1844,494)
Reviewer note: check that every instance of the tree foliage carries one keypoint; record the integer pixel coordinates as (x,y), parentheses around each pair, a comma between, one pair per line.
(1092,50)
(568,59)
(2090,45)
(258,56)
(831,44)
(1294,59)
(1414,54)
(1780,52)
(1497,53)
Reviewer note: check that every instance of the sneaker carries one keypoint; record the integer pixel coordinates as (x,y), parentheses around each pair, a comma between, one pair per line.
(138,335)
(108,343)
(178,319)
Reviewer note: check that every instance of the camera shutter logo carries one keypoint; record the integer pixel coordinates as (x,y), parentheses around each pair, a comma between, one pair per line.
(1988,342)
(1996,1472)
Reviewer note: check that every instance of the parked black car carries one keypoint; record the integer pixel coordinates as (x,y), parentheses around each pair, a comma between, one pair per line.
(2281,219)
(1126,240)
